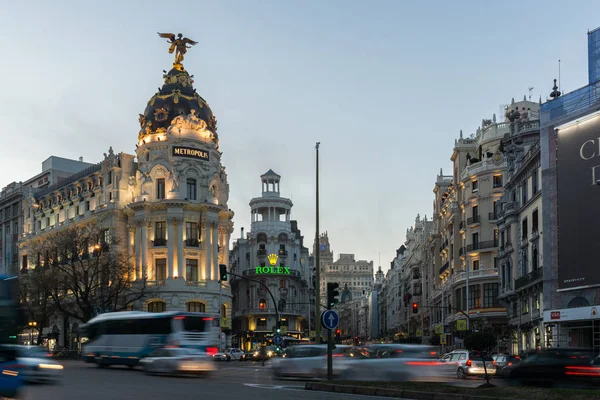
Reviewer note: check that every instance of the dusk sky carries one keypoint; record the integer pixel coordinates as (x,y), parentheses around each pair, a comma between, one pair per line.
(385,86)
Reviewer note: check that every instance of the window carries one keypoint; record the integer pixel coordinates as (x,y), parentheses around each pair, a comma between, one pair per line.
(160,188)
(475,240)
(191,270)
(261,324)
(157,306)
(196,306)
(490,295)
(110,178)
(224,311)
(159,230)
(524,306)
(191,234)
(502,240)
(160,265)
(475,296)
(262,304)
(534,182)
(536,301)
(283,284)
(524,229)
(497,181)
(524,268)
(534,221)
(475,265)
(495,237)
(475,185)
(534,257)
(524,193)
(191,189)
(475,210)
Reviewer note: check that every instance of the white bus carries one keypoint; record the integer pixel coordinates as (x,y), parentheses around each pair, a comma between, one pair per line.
(124,338)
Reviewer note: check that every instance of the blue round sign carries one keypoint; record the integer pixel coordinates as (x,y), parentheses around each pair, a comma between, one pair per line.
(330,319)
(278,340)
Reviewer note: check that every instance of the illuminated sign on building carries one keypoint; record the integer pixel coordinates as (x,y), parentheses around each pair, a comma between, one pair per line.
(190,152)
(272,270)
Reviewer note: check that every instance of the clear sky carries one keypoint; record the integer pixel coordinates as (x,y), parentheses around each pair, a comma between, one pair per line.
(385,86)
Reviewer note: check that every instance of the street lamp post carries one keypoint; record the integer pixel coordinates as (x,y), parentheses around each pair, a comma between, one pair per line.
(31,326)
(317,256)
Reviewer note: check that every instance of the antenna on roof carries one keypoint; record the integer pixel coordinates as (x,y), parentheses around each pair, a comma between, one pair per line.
(530,90)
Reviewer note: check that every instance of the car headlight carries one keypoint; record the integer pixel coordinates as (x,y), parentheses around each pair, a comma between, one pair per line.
(269,353)
(256,353)
(50,366)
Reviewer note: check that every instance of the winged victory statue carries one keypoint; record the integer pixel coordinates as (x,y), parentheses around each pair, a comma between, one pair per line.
(179,45)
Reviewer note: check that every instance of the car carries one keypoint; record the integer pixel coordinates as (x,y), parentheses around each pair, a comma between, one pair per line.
(11,380)
(228,355)
(177,360)
(470,363)
(37,364)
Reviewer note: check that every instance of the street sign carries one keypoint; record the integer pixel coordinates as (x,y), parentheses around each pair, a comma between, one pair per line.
(443,338)
(330,319)
(277,340)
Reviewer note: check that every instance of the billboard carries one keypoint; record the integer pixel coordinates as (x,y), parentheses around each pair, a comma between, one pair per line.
(578,191)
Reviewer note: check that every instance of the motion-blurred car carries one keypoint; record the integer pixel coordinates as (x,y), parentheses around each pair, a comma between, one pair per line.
(37,365)
(395,362)
(177,360)
(11,380)
(309,361)
(504,363)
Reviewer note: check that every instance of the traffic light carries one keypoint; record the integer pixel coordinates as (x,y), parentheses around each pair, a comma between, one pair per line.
(222,272)
(415,308)
(338,334)
(332,293)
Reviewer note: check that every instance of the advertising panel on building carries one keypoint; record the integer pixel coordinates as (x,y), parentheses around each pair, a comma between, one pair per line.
(578,171)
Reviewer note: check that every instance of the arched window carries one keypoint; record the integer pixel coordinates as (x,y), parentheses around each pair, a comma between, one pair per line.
(282,238)
(262,304)
(261,238)
(157,306)
(196,306)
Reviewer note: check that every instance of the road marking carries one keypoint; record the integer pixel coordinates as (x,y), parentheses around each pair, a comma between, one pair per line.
(276,387)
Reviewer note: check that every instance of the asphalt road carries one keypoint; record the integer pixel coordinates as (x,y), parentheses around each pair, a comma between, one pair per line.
(234,380)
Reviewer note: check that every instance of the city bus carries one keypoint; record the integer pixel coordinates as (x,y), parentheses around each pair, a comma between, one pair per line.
(124,338)
(12,317)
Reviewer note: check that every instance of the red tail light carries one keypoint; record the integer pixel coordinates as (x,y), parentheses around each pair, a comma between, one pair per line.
(582,370)
(517,357)
(211,351)
(335,355)
(423,363)
(207,319)
(494,362)
(509,363)
(179,317)
(469,363)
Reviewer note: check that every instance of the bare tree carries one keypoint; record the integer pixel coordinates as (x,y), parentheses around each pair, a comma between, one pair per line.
(37,286)
(93,273)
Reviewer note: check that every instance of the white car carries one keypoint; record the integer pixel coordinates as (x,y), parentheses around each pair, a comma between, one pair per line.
(38,365)
(228,355)
(176,360)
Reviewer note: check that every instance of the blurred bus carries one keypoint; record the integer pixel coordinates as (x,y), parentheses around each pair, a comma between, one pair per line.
(124,338)
(12,317)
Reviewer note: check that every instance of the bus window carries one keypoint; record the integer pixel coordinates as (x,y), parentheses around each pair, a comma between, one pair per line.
(194,324)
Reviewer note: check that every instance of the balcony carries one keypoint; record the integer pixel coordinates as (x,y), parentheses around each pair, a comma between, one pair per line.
(478,274)
(480,167)
(192,242)
(283,253)
(196,283)
(530,278)
(475,219)
(481,246)
(261,252)
(493,216)
(444,267)
(159,242)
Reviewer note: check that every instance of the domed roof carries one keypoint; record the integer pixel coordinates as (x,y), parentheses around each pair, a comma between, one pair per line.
(177,97)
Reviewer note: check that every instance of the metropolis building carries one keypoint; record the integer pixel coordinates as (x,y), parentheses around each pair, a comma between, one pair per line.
(270,271)
(165,206)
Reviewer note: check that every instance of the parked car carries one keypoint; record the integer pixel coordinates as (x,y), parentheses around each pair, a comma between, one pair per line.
(228,355)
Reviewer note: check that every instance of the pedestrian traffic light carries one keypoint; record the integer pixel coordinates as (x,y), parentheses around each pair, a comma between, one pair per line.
(332,293)
(222,272)
(415,308)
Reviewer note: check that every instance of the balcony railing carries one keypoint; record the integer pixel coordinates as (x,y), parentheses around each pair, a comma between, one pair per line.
(160,242)
(484,245)
(444,267)
(196,283)
(192,242)
(480,273)
(283,253)
(493,216)
(529,278)
(261,252)
(475,219)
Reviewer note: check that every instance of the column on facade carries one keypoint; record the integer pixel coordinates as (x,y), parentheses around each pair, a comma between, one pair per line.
(215,249)
(226,247)
(170,247)
(133,266)
(207,249)
(138,251)
(180,258)
(144,243)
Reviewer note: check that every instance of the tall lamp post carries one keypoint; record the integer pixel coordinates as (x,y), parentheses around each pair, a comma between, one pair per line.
(317,257)
(31,326)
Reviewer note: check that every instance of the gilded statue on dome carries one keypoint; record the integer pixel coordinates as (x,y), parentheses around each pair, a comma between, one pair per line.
(179,46)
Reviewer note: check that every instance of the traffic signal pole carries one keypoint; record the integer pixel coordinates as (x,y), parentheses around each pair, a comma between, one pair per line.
(329,355)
